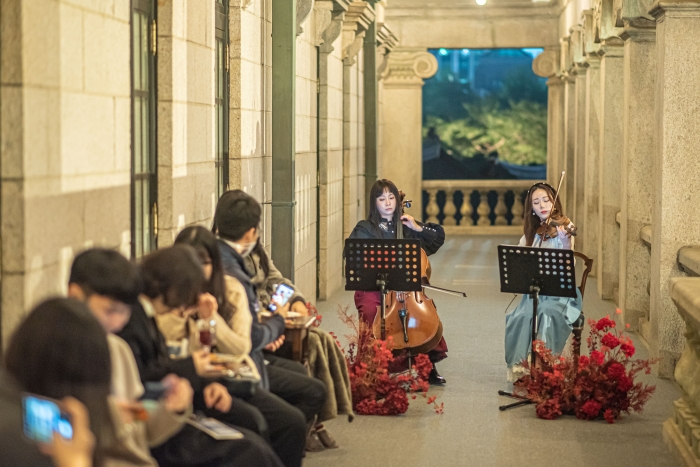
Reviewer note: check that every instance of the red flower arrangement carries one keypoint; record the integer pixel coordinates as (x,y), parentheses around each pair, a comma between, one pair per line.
(375,390)
(313,311)
(601,385)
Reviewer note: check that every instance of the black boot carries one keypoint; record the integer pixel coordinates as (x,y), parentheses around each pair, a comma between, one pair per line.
(435,378)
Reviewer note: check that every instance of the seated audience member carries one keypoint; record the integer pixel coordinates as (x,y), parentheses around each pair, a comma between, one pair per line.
(173,280)
(60,351)
(237,219)
(326,359)
(226,303)
(16,448)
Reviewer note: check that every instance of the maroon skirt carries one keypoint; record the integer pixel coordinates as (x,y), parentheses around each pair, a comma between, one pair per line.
(367,304)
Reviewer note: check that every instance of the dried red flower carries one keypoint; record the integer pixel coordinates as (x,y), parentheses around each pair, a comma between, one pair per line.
(628,349)
(610,341)
(604,324)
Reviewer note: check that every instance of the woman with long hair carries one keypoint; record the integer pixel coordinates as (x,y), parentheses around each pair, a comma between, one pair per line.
(384,218)
(555,316)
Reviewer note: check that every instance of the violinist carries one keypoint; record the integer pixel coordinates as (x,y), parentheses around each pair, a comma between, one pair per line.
(555,316)
(385,214)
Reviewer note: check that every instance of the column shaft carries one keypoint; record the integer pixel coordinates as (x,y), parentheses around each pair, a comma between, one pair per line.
(609,169)
(591,214)
(555,127)
(578,177)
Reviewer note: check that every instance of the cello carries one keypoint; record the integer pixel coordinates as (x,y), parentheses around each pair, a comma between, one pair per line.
(411,318)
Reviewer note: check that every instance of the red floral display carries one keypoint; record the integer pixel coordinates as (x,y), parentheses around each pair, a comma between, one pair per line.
(600,386)
(375,390)
(313,311)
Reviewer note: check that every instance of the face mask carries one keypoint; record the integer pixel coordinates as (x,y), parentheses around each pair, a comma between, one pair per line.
(246,248)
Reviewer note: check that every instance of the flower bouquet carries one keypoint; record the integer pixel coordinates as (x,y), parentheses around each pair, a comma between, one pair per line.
(589,387)
(375,390)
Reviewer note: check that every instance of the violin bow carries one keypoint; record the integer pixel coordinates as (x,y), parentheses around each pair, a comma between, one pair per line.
(554,203)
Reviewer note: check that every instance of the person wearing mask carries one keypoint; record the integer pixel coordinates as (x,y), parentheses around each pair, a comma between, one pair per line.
(172,282)
(237,219)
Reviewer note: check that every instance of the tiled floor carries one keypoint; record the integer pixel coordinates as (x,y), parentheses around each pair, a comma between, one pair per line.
(472,431)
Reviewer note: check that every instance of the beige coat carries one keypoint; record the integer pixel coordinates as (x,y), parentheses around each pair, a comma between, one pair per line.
(232,337)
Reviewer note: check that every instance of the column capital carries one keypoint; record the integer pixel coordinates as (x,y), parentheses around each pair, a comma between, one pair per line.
(547,63)
(357,19)
(408,67)
(304,8)
(676,8)
(329,22)
(386,42)
(555,81)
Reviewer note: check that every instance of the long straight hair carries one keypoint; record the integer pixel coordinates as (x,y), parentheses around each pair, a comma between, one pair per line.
(377,190)
(531,221)
(207,248)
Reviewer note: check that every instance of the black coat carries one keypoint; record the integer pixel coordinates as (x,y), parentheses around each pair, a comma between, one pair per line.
(431,237)
(150,352)
(261,334)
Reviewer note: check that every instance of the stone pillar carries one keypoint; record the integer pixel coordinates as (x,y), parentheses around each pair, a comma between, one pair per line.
(591,214)
(578,177)
(407,68)
(675,222)
(567,190)
(546,65)
(637,167)
(609,166)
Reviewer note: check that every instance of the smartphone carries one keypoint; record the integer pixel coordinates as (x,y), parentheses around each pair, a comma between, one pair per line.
(43,417)
(282,295)
(154,390)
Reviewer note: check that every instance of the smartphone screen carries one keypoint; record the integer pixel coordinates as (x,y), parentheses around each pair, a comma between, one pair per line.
(282,295)
(42,417)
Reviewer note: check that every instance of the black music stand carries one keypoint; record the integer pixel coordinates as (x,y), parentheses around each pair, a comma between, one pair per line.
(535,271)
(382,265)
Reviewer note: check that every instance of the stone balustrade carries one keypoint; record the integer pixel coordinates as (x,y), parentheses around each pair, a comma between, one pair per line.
(689,259)
(498,209)
(645,234)
(682,431)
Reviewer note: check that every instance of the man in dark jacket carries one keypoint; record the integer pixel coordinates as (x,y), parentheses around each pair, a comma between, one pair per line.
(237,219)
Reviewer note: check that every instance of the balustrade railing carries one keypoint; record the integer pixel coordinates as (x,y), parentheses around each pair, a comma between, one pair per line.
(476,206)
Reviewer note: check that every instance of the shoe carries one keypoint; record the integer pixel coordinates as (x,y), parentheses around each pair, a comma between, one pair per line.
(313,444)
(435,378)
(325,437)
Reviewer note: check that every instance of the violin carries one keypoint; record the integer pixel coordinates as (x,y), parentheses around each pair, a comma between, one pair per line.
(411,318)
(548,229)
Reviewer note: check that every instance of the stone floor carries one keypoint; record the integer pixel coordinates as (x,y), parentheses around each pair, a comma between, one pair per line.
(472,431)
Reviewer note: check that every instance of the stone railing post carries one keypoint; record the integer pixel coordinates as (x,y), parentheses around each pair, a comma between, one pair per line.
(432,209)
(483,210)
(466,210)
(450,209)
(517,209)
(501,209)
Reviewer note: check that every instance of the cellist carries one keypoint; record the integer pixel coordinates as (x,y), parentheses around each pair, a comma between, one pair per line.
(384,215)
(555,316)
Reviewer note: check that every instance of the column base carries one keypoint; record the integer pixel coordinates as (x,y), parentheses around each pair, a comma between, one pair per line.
(681,433)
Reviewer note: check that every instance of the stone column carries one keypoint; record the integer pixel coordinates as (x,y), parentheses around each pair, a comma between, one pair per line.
(546,65)
(609,166)
(591,214)
(567,164)
(637,166)
(555,127)
(675,222)
(578,177)
(407,68)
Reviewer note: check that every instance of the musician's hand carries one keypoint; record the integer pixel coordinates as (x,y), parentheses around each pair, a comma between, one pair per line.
(411,223)
(273,346)
(565,237)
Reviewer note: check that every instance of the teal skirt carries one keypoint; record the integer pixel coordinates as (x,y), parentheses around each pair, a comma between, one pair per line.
(555,318)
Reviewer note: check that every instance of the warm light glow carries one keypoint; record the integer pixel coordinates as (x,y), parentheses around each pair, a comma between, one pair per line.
(481,2)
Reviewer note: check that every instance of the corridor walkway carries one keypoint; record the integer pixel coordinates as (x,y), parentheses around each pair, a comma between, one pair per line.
(472,431)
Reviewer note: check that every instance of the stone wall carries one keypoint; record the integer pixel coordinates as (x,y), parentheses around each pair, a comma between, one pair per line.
(186,120)
(65,138)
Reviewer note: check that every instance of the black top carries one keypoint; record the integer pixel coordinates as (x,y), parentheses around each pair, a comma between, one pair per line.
(261,334)
(432,236)
(150,352)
